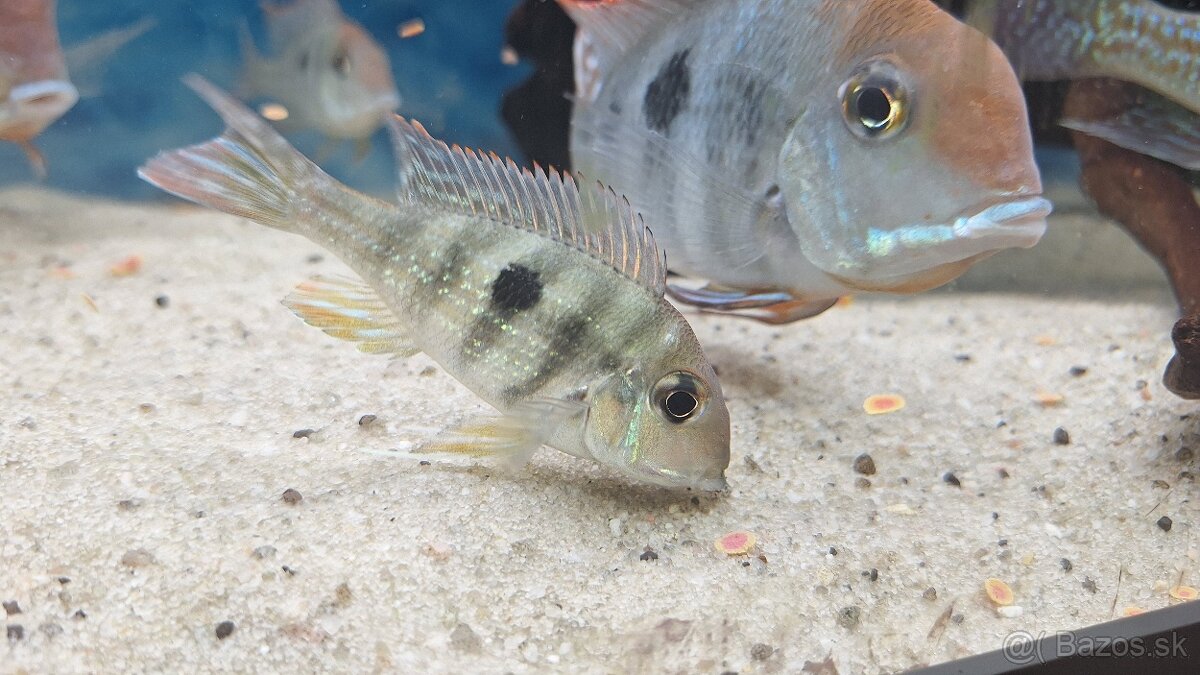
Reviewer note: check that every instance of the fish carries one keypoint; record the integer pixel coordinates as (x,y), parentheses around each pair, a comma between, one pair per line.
(791,152)
(35,89)
(542,295)
(326,70)
(1137,41)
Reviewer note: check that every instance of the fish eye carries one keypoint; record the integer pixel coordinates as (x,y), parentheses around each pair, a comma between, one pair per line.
(679,397)
(875,103)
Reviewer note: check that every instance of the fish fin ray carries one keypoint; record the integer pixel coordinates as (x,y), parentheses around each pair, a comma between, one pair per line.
(513,436)
(1154,126)
(87,60)
(350,310)
(587,216)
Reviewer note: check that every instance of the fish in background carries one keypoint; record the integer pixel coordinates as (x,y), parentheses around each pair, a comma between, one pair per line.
(1137,41)
(325,69)
(792,151)
(35,89)
(542,296)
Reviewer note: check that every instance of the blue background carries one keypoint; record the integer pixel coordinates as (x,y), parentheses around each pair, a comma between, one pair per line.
(450,78)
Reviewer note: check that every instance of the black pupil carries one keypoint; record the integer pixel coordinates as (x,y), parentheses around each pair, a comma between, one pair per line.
(874,107)
(680,404)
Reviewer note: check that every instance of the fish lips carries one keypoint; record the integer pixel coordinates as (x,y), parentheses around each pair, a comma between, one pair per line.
(32,106)
(1018,223)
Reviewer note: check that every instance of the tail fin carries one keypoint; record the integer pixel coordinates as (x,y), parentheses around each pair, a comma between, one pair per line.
(248,171)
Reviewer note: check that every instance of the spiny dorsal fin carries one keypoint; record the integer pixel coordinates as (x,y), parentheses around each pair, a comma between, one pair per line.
(592,218)
(348,309)
(607,30)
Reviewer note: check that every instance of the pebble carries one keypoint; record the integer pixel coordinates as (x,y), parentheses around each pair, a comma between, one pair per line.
(303,433)
(848,617)
(1065,564)
(224,629)
(1184,454)
(16,632)
(930,594)
(464,639)
(1061,437)
(1165,523)
(950,478)
(864,464)
(292,496)
(862,483)
(1078,371)
(648,554)
(760,651)
(138,557)
(11,607)
(367,420)
(264,552)
(162,301)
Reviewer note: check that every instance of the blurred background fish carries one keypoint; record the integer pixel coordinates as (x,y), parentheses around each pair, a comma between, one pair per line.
(325,70)
(35,89)
(792,152)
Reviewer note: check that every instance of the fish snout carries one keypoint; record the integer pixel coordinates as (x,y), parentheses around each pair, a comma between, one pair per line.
(1017,221)
(36,105)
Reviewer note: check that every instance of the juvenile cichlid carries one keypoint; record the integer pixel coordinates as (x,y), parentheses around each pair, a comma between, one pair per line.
(325,69)
(1136,41)
(792,151)
(34,87)
(543,297)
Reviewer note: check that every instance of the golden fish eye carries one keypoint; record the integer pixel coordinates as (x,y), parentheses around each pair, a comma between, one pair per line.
(874,102)
(679,396)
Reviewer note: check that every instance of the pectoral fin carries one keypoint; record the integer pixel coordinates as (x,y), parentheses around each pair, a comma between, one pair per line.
(1153,126)
(350,310)
(514,436)
(767,306)
(36,159)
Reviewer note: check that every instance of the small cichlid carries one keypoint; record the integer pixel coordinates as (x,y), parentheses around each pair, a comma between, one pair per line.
(1138,41)
(325,69)
(792,151)
(542,296)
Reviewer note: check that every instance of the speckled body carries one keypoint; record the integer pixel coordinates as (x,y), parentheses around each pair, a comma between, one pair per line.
(1137,40)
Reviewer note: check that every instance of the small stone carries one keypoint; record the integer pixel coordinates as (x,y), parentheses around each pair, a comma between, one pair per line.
(1089,585)
(225,629)
(162,301)
(958,618)
(648,554)
(1061,437)
(129,504)
(367,420)
(138,557)
(16,632)
(848,617)
(1184,454)
(950,478)
(303,433)
(760,651)
(464,639)
(862,483)
(930,594)
(1160,484)
(864,464)
(962,358)
(1165,523)
(146,408)
(11,607)
(1078,371)
(1003,473)
(832,550)
(1065,564)
(872,574)
(79,615)
(292,496)
(265,552)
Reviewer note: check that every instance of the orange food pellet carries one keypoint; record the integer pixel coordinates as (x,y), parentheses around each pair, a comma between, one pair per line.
(275,112)
(411,28)
(883,403)
(1182,593)
(844,301)
(1133,611)
(127,267)
(998,592)
(1048,399)
(1045,340)
(738,542)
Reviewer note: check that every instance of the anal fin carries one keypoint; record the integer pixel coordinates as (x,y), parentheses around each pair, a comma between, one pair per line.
(350,310)
(768,306)
(513,436)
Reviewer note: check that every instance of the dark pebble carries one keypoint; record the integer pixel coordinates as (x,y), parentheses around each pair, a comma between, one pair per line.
(79,614)
(1078,371)
(1061,437)
(1065,564)
(862,483)
(290,570)
(16,632)
(950,478)
(1002,542)
(1165,523)
(848,617)
(761,652)
(1089,585)
(1160,484)
(366,420)
(64,580)
(832,550)
(864,464)
(995,515)
(1184,454)
(162,301)
(224,629)
(648,554)
(930,594)
(424,462)
(303,433)
(1003,473)
(292,496)
(872,574)
(962,358)
(958,618)
(11,607)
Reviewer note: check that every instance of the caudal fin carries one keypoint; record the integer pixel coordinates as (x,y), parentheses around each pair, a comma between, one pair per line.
(248,171)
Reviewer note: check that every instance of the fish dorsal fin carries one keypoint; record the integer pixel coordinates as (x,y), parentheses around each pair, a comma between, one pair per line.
(587,216)
(350,310)
(608,29)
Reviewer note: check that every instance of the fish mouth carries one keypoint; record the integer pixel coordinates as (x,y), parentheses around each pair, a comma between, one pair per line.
(676,479)
(1017,223)
(33,106)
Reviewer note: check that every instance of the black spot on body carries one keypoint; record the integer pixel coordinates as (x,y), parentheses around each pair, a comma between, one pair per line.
(667,93)
(516,288)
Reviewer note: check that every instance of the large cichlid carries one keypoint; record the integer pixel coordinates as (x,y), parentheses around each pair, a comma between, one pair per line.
(542,296)
(791,151)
